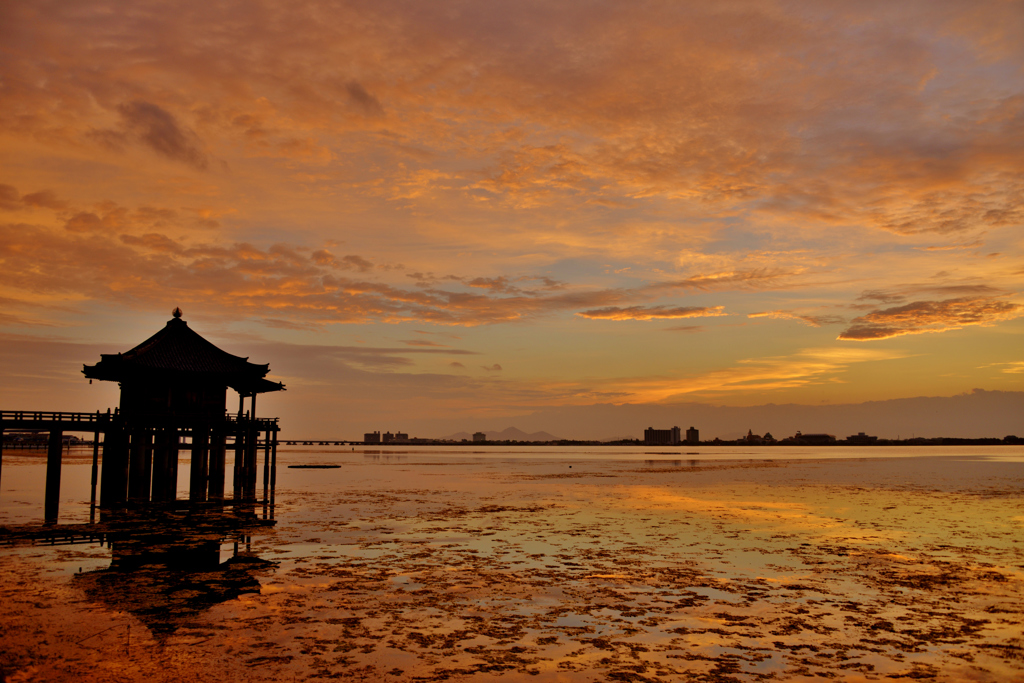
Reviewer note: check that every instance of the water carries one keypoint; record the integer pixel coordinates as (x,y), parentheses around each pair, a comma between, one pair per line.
(24,471)
(541,563)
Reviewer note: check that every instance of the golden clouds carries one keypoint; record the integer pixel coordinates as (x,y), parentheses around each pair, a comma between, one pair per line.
(747,107)
(806,367)
(652,312)
(811,320)
(112,255)
(931,316)
(329,165)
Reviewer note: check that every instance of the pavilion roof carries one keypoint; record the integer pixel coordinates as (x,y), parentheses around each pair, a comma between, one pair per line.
(178,353)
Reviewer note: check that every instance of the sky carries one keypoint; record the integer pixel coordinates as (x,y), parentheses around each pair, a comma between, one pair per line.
(431,216)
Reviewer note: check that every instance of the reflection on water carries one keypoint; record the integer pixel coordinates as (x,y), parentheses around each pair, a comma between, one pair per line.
(162,566)
(166,569)
(426,566)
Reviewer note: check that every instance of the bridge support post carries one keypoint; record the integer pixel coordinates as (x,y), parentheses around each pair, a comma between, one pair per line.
(95,475)
(54,451)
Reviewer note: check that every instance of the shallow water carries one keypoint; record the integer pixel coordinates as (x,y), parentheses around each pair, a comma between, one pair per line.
(541,564)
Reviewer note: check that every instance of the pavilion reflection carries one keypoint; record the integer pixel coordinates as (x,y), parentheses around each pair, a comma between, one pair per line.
(167,568)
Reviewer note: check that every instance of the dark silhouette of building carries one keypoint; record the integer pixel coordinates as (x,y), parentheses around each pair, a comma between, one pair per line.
(861,438)
(371,437)
(662,437)
(752,438)
(174,387)
(813,439)
(692,436)
(479,436)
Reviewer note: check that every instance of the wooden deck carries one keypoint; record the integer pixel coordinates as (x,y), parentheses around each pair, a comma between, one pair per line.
(140,454)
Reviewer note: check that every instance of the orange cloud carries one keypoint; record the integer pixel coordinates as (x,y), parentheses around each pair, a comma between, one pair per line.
(756,278)
(806,367)
(652,312)
(282,283)
(811,320)
(526,160)
(422,342)
(931,316)
(709,107)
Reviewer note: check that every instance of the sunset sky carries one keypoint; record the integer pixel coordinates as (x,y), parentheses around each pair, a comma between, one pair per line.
(432,214)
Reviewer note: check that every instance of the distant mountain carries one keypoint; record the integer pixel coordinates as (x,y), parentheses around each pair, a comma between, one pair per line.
(510,434)
(973,414)
(458,436)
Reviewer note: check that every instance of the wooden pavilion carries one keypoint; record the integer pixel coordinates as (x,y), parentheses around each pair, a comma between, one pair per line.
(174,397)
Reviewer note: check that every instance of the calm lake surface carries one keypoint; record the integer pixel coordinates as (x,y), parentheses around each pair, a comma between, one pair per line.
(538,563)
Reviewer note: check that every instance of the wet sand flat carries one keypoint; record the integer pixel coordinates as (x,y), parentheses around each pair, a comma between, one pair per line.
(407,567)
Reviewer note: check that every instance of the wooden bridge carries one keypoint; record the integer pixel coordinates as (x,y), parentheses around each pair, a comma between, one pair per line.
(320,442)
(140,455)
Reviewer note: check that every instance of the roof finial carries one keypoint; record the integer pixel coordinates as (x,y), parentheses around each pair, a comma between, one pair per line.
(176,312)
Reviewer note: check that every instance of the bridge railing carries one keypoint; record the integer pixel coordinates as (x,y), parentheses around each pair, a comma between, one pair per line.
(53,416)
(63,416)
(232,417)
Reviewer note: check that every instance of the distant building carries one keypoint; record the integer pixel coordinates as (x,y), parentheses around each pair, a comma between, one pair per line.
(479,436)
(861,438)
(371,437)
(814,439)
(692,436)
(662,437)
(388,437)
(752,438)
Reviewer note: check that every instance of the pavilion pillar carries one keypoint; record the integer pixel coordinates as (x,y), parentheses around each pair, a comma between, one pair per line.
(140,462)
(54,451)
(218,452)
(266,466)
(114,478)
(239,480)
(199,474)
(95,467)
(273,466)
(95,475)
(157,478)
(165,465)
(252,455)
(174,452)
